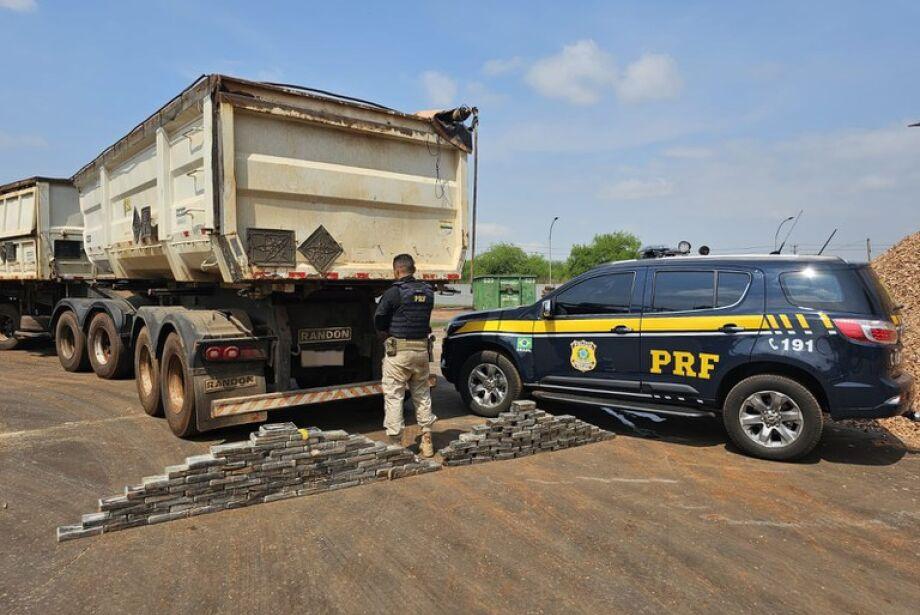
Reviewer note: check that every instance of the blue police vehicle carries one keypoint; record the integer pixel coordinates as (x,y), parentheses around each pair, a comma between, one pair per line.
(768,341)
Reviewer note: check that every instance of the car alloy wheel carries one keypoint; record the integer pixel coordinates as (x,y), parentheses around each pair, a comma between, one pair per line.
(488,385)
(771,419)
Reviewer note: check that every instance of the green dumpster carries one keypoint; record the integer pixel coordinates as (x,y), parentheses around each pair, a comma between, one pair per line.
(500,291)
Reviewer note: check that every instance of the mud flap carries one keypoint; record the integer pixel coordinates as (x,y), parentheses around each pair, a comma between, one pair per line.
(213,383)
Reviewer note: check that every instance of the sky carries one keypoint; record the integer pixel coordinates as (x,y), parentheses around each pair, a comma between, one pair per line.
(706,121)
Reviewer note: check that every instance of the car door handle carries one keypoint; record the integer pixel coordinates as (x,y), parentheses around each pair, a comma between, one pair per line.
(621,329)
(731,328)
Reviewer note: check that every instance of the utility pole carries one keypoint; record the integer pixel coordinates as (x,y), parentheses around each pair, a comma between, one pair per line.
(475,128)
(551,225)
(868,251)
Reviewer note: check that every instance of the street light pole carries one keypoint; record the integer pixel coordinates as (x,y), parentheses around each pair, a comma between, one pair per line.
(552,224)
(778,228)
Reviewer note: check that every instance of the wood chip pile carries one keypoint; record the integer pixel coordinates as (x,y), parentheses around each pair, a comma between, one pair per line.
(899,269)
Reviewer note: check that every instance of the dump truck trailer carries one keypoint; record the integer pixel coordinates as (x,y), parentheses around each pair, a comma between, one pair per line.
(240,237)
(41,255)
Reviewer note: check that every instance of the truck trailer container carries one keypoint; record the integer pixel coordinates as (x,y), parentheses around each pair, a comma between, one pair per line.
(41,254)
(240,237)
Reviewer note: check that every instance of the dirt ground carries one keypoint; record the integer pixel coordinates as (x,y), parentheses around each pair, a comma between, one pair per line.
(667,516)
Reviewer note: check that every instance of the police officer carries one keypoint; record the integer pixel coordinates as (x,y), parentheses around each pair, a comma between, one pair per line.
(404,316)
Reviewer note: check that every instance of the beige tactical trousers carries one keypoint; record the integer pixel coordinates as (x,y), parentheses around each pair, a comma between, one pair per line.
(407,369)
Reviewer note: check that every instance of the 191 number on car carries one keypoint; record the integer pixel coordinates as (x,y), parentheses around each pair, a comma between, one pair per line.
(793,345)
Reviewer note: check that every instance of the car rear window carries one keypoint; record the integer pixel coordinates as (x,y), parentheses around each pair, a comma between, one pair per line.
(731,287)
(832,290)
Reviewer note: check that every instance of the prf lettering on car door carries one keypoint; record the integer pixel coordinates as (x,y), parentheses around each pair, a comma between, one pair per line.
(683,363)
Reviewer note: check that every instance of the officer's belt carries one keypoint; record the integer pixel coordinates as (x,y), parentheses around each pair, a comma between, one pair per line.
(402,344)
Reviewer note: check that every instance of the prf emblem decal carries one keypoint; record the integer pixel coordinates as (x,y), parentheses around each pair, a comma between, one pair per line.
(583,356)
(524,344)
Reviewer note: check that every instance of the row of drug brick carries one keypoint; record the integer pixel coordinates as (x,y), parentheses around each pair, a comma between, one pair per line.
(278,461)
(520,432)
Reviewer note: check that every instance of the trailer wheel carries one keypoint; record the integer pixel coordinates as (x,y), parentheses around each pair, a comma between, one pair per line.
(70,343)
(107,351)
(147,374)
(176,388)
(9,323)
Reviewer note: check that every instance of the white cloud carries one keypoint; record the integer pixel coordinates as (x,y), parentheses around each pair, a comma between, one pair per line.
(653,76)
(440,89)
(578,74)
(492,230)
(20,6)
(696,153)
(500,66)
(8,141)
(637,189)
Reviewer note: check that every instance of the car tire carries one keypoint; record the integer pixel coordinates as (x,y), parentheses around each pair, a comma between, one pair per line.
(70,343)
(489,382)
(147,374)
(107,351)
(177,388)
(9,323)
(773,417)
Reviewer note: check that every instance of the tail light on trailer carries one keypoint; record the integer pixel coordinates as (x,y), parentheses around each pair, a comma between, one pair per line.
(231,352)
(871,331)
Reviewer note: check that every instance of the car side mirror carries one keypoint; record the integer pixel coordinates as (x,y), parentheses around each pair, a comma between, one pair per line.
(547,309)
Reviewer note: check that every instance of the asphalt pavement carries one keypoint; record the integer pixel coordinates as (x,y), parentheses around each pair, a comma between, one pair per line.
(667,516)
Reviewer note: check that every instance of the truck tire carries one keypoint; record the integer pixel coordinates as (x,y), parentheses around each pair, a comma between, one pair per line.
(488,383)
(9,324)
(107,352)
(147,374)
(176,388)
(70,343)
(773,417)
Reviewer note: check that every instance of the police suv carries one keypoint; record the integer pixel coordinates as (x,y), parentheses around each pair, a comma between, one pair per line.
(768,342)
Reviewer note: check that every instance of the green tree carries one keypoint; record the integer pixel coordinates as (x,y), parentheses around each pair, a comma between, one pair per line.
(508,259)
(604,248)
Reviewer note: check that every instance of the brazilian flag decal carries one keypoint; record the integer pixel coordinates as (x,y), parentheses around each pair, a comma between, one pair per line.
(524,344)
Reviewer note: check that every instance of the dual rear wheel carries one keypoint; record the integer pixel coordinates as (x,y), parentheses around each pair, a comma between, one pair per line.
(101,348)
(165,386)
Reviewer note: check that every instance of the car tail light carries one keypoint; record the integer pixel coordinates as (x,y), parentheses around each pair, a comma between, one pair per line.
(233,353)
(874,331)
